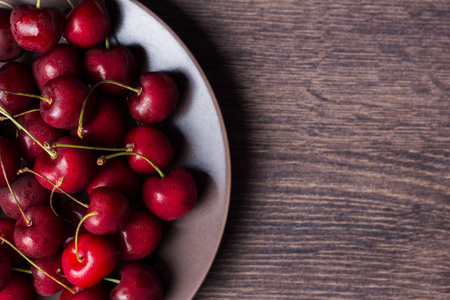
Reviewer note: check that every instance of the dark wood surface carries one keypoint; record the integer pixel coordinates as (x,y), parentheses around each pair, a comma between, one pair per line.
(338,116)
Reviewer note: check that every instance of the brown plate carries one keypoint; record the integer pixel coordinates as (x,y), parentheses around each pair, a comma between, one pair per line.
(197,128)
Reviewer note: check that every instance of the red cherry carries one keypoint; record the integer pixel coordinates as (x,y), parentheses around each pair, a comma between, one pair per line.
(117,64)
(11,161)
(61,60)
(151,143)
(99,257)
(36,29)
(171,197)
(96,292)
(17,288)
(41,283)
(7,232)
(158,98)
(9,49)
(87,24)
(5,270)
(78,166)
(138,281)
(16,77)
(140,237)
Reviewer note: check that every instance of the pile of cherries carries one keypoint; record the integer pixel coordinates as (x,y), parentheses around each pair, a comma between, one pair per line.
(84,191)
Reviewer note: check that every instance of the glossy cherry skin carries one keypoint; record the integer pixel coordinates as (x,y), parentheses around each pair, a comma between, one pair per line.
(113,211)
(67,94)
(41,283)
(29,192)
(61,60)
(71,213)
(5,270)
(77,165)
(158,98)
(171,197)
(107,127)
(11,161)
(116,64)
(16,77)
(9,49)
(99,258)
(43,237)
(96,292)
(116,173)
(36,29)
(7,232)
(151,143)
(138,281)
(17,288)
(88,24)
(140,237)
(33,122)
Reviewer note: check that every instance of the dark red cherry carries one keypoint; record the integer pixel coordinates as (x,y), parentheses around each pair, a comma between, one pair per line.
(140,236)
(43,236)
(67,94)
(17,288)
(9,49)
(113,211)
(171,197)
(28,191)
(16,77)
(5,270)
(41,283)
(11,161)
(98,258)
(96,292)
(151,143)
(158,98)
(7,232)
(61,60)
(88,24)
(78,166)
(138,281)
(36,29)
(71,213)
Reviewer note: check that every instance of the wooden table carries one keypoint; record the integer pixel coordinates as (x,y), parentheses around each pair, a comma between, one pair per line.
(338,117)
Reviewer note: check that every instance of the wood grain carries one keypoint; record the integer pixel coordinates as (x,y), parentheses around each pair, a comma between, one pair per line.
(338,117)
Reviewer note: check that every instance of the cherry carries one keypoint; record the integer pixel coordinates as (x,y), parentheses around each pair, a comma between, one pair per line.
(107,127)
(87,24)
(117,64)
(9,49)
(140,237)
(43,236)
(43,132)
(96,258)
(72,213)
(41,283)
(61,60)
(151,143)
(36,29)
(76,165)
(139,281)
(7,232)
(96,292)
(28,192)
(5,270)
(67,95)
(113,211)
(116,174)
(17,288)
(171,197)
(17,77)
(158,98)
(11,161)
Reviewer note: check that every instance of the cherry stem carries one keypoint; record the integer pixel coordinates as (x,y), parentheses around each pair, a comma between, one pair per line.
(23,170)
(3,118)
(102,159)
(117,281)
(83,108)
(6,4)
(18,125)
(50,145)
(35,265)
(28,221)
(22,270)
(38,4)
(80,258)
(48,100)
(107,43)
(70,3)
(57,185)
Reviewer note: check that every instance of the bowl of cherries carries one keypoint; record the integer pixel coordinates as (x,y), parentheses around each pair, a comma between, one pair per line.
(115,168)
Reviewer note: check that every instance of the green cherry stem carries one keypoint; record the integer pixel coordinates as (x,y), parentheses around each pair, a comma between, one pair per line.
(102,159)
(23,170)
(117,281)
(48,100)
(3,118)
(6,4)
(70,3)
(27,220)
(22,270)
(35,265)
(57,185)
(50,145)
(18,125)
(38,4)
(83,108)
(80,258)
